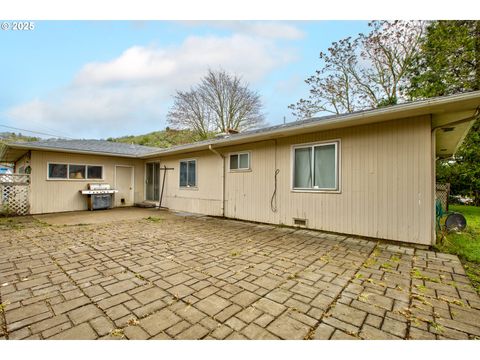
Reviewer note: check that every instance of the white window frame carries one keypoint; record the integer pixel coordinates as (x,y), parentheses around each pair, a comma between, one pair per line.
(338,147)
(188,187)
(249,168)
(55,178)
(68,171)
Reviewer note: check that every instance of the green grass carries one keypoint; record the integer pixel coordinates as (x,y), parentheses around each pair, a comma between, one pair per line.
(466,244)
(18,222)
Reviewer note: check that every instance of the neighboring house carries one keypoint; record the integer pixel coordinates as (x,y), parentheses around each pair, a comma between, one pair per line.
(369,173)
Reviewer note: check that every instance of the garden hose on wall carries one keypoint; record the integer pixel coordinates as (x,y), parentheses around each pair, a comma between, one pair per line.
(273,200)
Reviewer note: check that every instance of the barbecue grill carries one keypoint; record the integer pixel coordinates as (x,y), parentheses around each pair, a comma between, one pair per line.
(99,196)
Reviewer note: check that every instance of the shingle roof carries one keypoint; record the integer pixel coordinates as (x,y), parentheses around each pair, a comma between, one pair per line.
(94,146)
(412,108)
(221,137)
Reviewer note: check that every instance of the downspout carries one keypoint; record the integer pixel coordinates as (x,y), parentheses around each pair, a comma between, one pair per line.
(433,224)
(223,176)
(434,160)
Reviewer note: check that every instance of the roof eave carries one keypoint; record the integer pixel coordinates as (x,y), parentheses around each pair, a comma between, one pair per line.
(85,152)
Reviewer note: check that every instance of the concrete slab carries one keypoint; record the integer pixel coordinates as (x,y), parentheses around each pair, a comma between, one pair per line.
(101,216)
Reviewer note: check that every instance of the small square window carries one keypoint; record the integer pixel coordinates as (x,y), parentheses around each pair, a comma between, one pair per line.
(240,161)
(94,172)
(76,172)
(57,171)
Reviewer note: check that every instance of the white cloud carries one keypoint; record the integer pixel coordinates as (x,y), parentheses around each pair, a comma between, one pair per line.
(127,94)
(264,29)
(183,65)
(275,30)
(136,64)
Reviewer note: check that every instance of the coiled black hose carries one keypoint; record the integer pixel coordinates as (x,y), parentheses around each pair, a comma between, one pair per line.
(273,200)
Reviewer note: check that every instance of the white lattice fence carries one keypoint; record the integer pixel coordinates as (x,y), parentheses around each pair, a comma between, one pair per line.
(14,193)
(442,192)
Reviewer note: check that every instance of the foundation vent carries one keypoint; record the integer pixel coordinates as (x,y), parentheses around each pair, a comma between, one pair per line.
(299,222)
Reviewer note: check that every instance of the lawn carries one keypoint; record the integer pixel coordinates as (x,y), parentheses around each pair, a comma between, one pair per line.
(467,243)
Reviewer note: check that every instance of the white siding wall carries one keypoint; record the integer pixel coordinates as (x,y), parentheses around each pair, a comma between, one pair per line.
(385,183)
(206,198)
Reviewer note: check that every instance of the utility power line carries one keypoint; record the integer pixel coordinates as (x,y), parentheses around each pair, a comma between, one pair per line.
(42,127)
(35,132)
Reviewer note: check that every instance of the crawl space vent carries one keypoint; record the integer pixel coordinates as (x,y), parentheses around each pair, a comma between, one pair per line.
(300,222)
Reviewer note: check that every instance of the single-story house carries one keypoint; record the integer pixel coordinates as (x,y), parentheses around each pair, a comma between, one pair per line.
(368,173)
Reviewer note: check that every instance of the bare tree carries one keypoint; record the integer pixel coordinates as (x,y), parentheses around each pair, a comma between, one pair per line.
(221,102)
(366,72)
(190,111)
(332,88)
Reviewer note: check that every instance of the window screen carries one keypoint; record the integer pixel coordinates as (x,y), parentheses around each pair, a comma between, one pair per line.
(234,162)
(183,173)
(57,171)
(94,172)
(76,171)
(191,176)
(243,162)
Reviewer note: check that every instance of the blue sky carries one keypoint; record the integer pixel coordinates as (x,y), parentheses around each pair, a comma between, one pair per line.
(95,79)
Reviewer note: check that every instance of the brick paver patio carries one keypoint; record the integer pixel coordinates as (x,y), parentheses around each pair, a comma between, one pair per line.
(204,278)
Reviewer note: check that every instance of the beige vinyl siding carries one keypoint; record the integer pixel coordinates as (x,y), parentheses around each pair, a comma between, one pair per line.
(247,194)
(205,198)
(385,183)
(49,196)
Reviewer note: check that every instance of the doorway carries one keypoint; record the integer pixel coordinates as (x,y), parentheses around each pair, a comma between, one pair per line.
(124,185)
(152,181)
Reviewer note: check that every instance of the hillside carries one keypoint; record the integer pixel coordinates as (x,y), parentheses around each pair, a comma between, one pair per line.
(164,138)
(10,137)
(7,137)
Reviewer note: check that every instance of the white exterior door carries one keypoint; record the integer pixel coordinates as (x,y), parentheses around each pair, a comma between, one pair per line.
(124,185)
